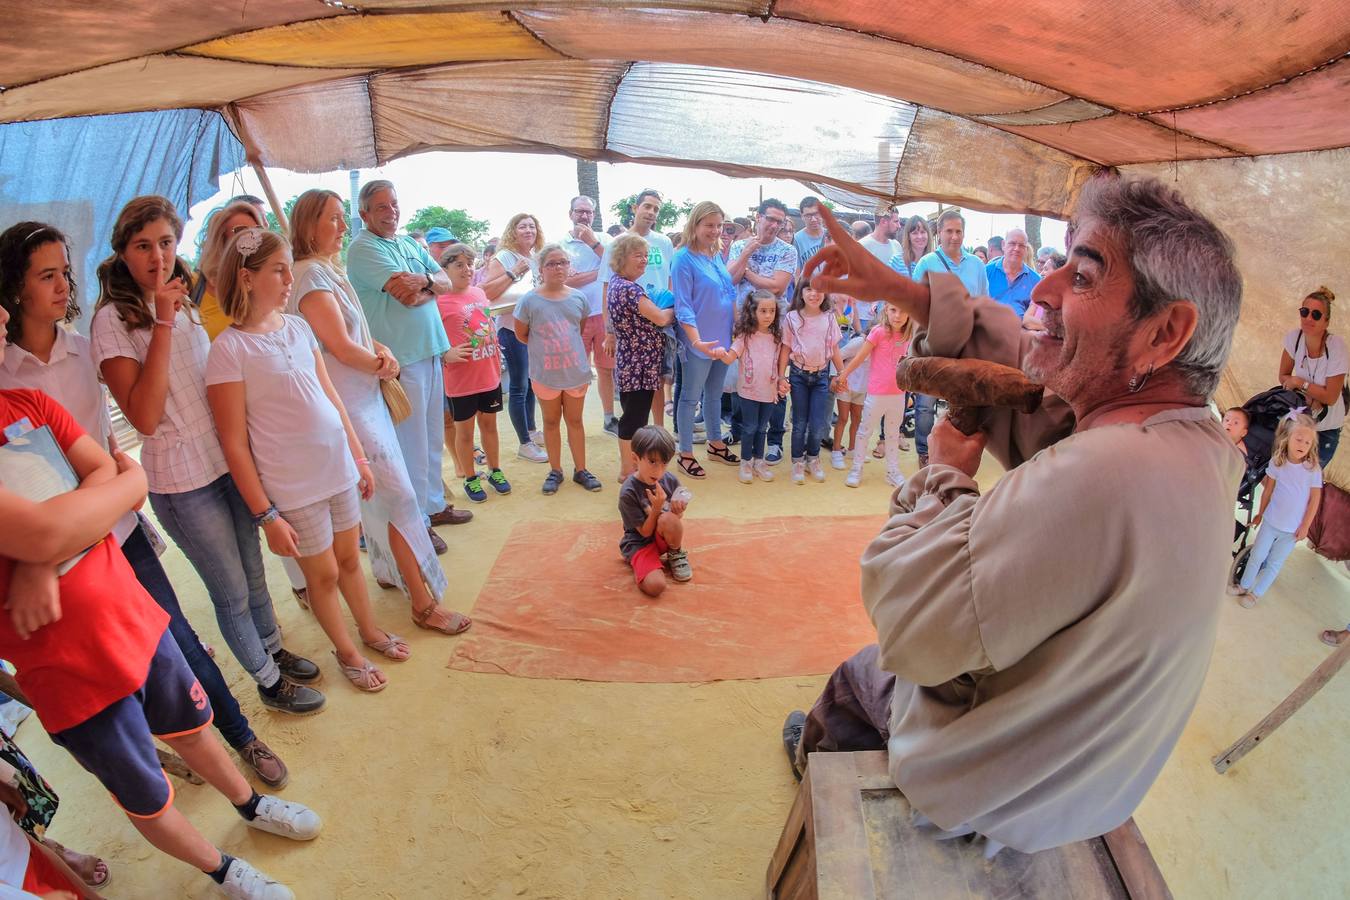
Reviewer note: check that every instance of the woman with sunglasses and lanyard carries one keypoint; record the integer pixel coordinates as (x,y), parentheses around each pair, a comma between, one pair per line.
(1315,364)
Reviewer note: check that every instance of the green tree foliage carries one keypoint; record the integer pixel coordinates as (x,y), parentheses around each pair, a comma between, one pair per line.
(665,220)
(461,224)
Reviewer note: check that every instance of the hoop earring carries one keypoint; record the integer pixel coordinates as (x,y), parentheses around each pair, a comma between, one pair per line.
(1137,384)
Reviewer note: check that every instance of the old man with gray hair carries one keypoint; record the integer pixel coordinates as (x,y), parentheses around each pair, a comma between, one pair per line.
(1041,643)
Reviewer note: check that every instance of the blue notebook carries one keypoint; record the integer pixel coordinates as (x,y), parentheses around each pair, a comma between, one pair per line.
(33,466)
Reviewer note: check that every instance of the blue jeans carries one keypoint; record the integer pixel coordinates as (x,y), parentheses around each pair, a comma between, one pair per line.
(520,396)
(703,379)
(810,410)
(230,720)
(215,531)
(755,416)
(924,407)
(778,422)
(1268,554)
(1326,445)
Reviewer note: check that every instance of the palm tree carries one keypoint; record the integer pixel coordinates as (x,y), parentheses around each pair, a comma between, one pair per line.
(1033,230)
(588,183)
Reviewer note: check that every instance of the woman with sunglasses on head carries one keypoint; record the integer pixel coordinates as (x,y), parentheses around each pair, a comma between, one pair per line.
(223,225)
(1315,363)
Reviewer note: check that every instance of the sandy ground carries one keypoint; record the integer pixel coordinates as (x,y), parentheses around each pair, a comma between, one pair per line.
(461,785)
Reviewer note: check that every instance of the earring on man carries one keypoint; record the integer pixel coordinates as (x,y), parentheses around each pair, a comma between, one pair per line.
(1137,384)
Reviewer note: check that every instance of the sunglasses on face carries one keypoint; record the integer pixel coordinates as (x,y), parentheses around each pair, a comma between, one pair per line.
(1314,314)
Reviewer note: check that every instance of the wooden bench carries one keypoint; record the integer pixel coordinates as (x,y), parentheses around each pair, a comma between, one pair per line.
(849,837)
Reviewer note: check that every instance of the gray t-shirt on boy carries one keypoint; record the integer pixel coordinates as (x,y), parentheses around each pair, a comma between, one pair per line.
(634,505)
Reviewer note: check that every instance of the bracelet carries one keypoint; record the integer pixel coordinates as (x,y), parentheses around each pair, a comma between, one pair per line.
(363,461)
(513,276)
(267,515)
(165,322)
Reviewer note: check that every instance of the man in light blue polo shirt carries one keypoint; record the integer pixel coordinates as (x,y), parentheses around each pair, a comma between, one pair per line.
(1010,278)
(586,250)
(397,281)
(952,259)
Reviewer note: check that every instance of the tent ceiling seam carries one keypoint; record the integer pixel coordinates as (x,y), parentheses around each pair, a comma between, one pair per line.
(374,131)
(511,17)
(609,105)
(1256,90)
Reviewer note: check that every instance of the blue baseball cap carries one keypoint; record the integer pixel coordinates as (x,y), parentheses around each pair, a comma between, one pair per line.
(439,235)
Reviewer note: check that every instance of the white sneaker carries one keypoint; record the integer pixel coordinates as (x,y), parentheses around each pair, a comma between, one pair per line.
(12,714)
(244,882)
(286,818)
(798,472)
(895,479)
(854,477)
(700,427)
(815,468)
(763,471)
(747,471)
(537,437)
(533,452)
(837,460)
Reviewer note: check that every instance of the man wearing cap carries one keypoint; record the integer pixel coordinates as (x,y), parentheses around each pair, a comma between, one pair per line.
(587,250)
(438,239)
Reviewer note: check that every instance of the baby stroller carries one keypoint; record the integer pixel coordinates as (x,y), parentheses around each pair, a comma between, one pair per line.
(1264,412)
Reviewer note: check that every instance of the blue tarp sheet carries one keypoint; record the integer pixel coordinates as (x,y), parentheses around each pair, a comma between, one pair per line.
(77,174)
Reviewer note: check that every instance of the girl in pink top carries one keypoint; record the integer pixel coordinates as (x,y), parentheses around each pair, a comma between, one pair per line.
(473,373)
(810,345)
(886,345)
(756,342)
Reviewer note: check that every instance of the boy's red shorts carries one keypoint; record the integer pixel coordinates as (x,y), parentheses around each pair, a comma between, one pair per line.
(648,559)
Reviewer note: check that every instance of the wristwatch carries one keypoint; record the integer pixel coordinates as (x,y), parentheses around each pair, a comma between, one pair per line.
(429,282)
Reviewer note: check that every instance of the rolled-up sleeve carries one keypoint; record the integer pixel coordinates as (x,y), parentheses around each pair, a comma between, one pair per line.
(684,279)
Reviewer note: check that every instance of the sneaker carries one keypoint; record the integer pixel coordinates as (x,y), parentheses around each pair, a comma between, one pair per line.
(296,669)
(584,478)
(774,456)
(798,472)
(537,438)
(611,425)
(854,477)
(292,698)
(269,768)
(286,818)
(895,479)
(499,482)
(243,882)
(533,452)
(837,460)
(473,488)
(678,561)
(479,457)
(793,727)
(815,468)
(553,481)
(699,437)
(747,471)
(762,470)
(700,426)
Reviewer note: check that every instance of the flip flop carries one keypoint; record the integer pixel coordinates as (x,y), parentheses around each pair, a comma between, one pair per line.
(459,623)
(393,647)
(362,676)
(1330,638)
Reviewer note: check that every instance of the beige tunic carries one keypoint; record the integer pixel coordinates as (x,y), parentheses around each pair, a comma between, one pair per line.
(1050,637)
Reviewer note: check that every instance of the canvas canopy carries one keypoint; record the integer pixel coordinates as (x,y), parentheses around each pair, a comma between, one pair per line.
(1004,107)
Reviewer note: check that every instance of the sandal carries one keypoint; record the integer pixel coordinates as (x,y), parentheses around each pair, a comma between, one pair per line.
(692,468)
(363,676)
(301,597)
(84,865)
(459,623)
(1334,637)
(724,454)
(393,647)
(879,452)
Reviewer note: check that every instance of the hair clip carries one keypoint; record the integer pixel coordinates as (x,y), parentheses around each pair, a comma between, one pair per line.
(248,241)
(1295,413)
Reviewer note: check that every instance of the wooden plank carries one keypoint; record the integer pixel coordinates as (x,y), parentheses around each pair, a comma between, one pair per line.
(843,868)
(1229,756)
(1135,863)
(793,834)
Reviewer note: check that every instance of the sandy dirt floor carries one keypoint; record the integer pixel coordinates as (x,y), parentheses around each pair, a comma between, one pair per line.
(460,785)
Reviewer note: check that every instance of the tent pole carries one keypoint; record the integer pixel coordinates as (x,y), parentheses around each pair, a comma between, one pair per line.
(254,159)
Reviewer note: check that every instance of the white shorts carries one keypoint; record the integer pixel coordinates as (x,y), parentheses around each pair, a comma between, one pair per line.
(316,523)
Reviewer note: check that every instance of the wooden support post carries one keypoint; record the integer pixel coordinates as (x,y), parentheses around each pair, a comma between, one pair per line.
(1227,758)
(254,157)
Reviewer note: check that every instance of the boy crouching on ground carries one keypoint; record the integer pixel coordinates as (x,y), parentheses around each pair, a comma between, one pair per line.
(653,513)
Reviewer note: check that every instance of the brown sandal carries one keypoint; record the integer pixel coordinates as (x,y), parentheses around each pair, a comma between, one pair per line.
(459,623)
(362,676)
(392,646)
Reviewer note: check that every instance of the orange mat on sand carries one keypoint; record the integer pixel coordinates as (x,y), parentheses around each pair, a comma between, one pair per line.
(773,597)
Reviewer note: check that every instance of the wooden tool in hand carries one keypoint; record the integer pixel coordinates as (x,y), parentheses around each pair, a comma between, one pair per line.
(970,387)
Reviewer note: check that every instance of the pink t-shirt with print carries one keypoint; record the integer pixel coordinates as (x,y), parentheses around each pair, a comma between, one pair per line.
(811,339)
(467,321)
(758,358)
(887,350)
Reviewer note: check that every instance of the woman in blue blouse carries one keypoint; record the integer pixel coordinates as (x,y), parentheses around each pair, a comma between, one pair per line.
(705,307)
